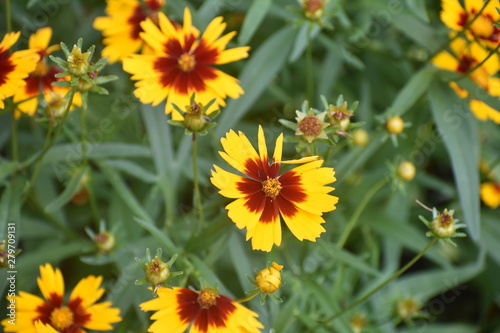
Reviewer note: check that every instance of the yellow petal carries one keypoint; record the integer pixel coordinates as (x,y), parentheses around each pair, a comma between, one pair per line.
(50,281)
(265,235)
(102,315)
(304,225)
(227,183)
(88,290)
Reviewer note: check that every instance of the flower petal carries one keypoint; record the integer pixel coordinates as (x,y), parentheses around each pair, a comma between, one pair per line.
(50,282)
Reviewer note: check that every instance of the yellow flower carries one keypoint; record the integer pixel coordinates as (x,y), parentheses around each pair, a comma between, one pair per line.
(268,280)
(456,18)
(122,26)
(182,63)
(53,314)
(41,79)
(465,57)
(490,194)
(14,67)
(208,312)
(299,195)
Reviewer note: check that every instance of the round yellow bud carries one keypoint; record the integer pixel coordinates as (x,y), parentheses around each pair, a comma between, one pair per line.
(360,137)
(268,280)
(395,125)
(406,171)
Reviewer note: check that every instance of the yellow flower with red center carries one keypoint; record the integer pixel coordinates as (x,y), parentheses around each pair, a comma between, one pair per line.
(208,312)
(14,67)
(53,314)
(482,28)
(182,63)
(41,79)
(299,195)
(490,194)
(465,57)
(122,26)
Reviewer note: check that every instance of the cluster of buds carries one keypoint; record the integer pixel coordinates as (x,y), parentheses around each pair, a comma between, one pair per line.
(443,225)
(156,271)
(82,72)
(312,125)
(197,118)
(6,254)
(267,281)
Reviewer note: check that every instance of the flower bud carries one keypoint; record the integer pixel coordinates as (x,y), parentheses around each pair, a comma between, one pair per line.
(78,62)
(268,280)
(195,118)
(314,9)
(157,272)
(443,225)
(105,241)
(360,137)
(357,322)
(406,171)
(408,308)
(395,125)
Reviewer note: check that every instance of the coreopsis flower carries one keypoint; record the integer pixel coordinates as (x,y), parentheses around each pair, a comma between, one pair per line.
(41,79)
(206,311)
(457,18)
(409,308)
(122,26)
(357,322)
(314,9)
(490,194)
(268,280)
(80,312)
(311,126)
(156,271)
(182,63)
(14,67)
(299,195)
(465,57)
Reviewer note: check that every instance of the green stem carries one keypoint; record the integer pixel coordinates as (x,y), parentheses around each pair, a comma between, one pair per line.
(49,141)
(383,284)
(197,195)
(14,135)
(492,52)
(246,299)
(8,15)
(93,204)
(84,135)
(309,65)
(357,213)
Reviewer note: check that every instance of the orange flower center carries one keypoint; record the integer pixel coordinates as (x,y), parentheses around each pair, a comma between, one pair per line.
(271,187)
(186,62)
(310,125)
(207,298)
(61,318)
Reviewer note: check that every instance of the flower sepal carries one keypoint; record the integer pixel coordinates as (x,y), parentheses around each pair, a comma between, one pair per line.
(196,120)
(443,225)
(157,272)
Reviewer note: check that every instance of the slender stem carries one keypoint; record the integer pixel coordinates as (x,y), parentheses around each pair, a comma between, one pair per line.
(309,65)
(15,155)
(48,143)
(196,185)
(8,15)
(246,299)
(93,204)
(383,284)
(84,135)
(357,213)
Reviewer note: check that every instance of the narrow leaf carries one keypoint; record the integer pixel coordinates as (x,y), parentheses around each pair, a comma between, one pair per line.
(253,19)
(73,187)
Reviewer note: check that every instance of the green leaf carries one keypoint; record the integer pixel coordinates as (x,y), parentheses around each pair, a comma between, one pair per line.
(253,19)
(160,236)
(241,262)
(132,169)
(73,187)
(411,92)
(307,32)
(70,154)
(259,71)
(347,258)
(458,128)
(417,7)
(7,168)
(416,30)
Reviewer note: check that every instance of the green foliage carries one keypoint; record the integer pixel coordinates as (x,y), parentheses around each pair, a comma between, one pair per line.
(137,170)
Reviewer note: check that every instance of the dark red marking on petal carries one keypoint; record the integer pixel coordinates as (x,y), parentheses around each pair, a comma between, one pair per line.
(154,5)
(80,314)
(6,67)
(215,316)
(255,170)
(187,305)
(462,19)
(256,203)
(249,186)
(206,54)
(271,211)
(292,188)
(496,187)
(465,63)
(286,208)
(135,21)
